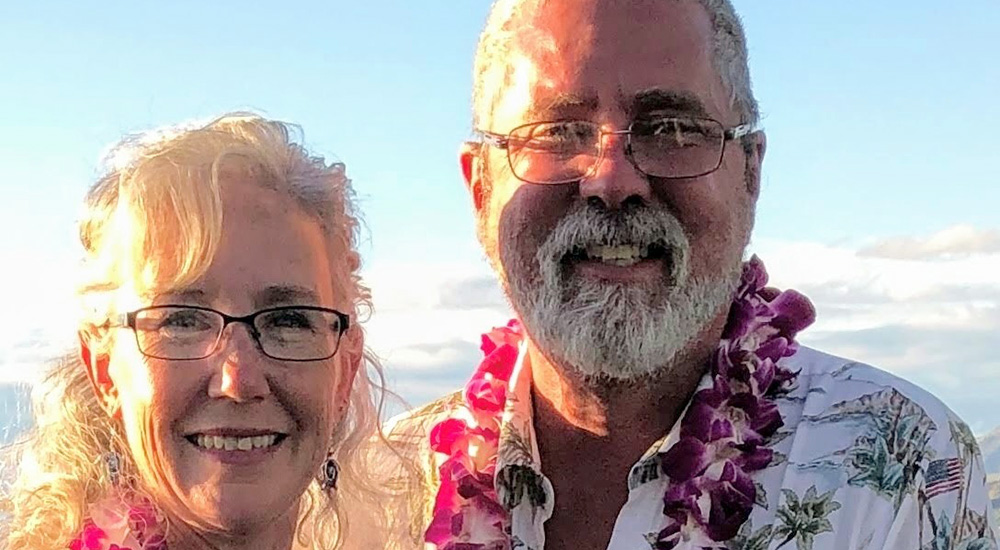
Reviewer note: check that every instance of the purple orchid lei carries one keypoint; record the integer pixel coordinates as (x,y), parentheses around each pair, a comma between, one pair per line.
(114,525)
(710,493)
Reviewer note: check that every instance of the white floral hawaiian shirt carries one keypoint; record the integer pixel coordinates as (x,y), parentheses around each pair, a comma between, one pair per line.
(864,461)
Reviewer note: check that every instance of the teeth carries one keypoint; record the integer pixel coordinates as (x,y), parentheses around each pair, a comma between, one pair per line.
(622,255)
(216,442)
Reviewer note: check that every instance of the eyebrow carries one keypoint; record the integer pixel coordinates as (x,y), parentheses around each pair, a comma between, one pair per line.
(646,101)
(286,295)
(188,295)
(659,99)
(564,105)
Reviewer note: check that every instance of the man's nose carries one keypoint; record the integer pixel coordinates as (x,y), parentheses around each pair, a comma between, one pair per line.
(615,181)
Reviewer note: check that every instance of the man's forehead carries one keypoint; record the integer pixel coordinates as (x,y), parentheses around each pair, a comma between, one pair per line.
(572,64)
(536,92)
(581,21)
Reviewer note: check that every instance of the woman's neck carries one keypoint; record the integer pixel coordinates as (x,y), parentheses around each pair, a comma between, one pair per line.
(274,535)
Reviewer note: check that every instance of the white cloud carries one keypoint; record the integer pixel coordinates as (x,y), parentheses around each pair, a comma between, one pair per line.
(427,323)
(954,242)
(934,322)
(40,313)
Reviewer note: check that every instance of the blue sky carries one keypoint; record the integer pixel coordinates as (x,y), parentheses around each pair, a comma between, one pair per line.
(881,178)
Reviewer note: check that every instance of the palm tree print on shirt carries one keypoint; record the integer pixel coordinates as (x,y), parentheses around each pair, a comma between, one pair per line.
(802,519)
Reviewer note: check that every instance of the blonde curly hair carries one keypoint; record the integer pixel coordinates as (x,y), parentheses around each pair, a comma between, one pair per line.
(154,218)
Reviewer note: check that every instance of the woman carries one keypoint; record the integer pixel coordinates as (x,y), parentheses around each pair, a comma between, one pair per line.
(221,397)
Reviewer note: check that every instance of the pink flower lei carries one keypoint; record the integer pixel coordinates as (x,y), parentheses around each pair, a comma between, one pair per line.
(115,525)
(722,436)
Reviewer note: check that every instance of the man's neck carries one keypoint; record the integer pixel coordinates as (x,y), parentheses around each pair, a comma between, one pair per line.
(569,408)
(596,432)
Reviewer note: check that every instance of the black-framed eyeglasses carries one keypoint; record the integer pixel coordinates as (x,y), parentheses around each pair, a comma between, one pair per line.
(287,333)
(564,151)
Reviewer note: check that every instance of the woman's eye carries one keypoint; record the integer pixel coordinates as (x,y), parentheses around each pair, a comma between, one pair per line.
(187,319)
(175,323)
(289,319)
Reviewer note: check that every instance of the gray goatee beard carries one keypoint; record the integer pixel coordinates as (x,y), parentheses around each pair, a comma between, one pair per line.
(621,332)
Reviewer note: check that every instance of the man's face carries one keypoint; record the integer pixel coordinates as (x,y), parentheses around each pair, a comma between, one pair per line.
(615,274)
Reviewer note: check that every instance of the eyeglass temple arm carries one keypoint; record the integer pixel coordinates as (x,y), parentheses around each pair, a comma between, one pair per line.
(742,130)
(495,140)
(121,320)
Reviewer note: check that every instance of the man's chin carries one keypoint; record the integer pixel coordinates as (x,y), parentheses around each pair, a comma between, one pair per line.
(620,333)
(603,347)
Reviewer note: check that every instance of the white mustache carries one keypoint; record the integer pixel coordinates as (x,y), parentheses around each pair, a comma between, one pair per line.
(586,226)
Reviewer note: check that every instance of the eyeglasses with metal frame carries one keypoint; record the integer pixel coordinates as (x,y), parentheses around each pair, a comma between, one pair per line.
(565,151)
(286,333)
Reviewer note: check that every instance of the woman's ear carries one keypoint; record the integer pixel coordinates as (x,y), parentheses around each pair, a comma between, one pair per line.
(352,348)
(96,361)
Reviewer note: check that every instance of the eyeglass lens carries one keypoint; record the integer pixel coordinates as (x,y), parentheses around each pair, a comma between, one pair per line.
(190,333)
(562,151)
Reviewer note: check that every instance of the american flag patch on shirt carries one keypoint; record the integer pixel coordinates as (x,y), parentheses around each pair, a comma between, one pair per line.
(944,476)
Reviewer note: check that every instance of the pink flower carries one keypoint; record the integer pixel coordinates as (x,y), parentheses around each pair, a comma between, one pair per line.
(121,522)
(90,538)
(509,335)
(486,395)
(486,392)
(478,521)
(449,436)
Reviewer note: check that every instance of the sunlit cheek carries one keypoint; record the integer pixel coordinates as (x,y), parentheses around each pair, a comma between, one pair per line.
(131,372)
(129,368)
(136,389)
(329,397)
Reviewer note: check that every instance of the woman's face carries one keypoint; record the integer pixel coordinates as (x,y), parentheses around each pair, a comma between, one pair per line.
(271,254)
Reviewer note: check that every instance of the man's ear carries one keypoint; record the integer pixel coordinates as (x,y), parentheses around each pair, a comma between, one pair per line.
(470,159)
(96,363)
(754,147)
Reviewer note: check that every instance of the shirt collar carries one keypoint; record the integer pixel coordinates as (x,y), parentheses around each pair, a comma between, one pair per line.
(519,482)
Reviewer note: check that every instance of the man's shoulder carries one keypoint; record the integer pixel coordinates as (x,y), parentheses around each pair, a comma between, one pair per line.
(895,441)
(845,385)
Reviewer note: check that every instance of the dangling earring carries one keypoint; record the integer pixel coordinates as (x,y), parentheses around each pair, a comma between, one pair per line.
(330,473)
(113,463)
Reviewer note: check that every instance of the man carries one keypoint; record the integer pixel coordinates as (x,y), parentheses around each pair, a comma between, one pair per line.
(651,394)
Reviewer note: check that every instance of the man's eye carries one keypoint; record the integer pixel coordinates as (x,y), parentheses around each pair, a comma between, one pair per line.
(552,133)
(677,132)
(564,131)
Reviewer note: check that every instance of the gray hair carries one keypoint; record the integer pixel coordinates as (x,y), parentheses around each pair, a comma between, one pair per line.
(491,74)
